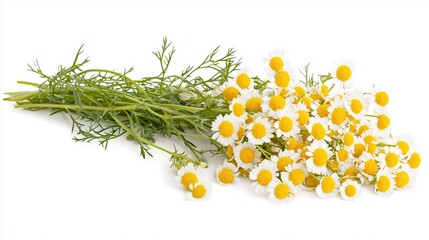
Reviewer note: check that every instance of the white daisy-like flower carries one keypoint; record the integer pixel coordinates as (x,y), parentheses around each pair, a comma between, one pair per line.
(348,170)
(284,158)
(368,167)
(414,159)
(382,127)
(343,72)
(263,174)
(319,109)
(405,143)
(299,90)
(358,148)
(318,129)
(260,130)
(328,186)
(381,100)
(350,190)
(246,155)
(275,62)
(296,173)
(188,175)
(356,104)
(337,114)
(225,173)
(390,158)
(342,154)
(283,78)
(281,192)
(385,183)
(404,177)
(199,191)
(229,91)
(303,113)
(238,108)
(348,138)
(319,154)
(253,100)
(225,129)
(275,103)
(287,124)
(243,80)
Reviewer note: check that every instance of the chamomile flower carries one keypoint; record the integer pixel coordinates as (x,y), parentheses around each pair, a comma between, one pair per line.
(296,173)
(385,183)
(284,158)
(273,104)
(229,91)
(299,90)
(342,154)
(368,166)
(281,192)
(283,78)
(348,138)
(225,129)
(414,160)
(404,177)
(328,186)
(348,170)
(287,124)
(320,110)
(382,127)
(261,130)
(199,191)
(356,104)
(243,80)
(358,147)
(253,100)
(390,158)
(188,175)
(381,100)
(246,155)
(303,113)
(405,143)
(225,173)
(318,129)
(263,174)
(344,73)
(337,113)
(238,108)
(319,154)
(350,190)
(275,62)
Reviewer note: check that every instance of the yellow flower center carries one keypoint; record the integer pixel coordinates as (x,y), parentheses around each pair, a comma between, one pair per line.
(291,143)
(264,177)
(199,191)
(381,98)
(403,146)
(344,73)
(338,115)
(259,131)
(247,155)
(414,160)
(383,122)
(320,157)
(285,124)
(243,80)
(350,190)
(402,179)
(351,171)
(226,129)
(371,148)
(362,129)
(188,179)
(299,91)
(383,184)
(283,162)
(328,184)
(324,90)
(226,176)
(358,149)
(348,139)
(302,117)
(311,181)
(318,131)
(356,106)
(392,160)
(229,151)
(240,133)
(282,79)
(276,63)
(281,191)
(277,103)
(322,110)
(238,109)
(343,155)
(254,104)
(307,101)
(230,93)
(370,167)
(297,176)
(368,139)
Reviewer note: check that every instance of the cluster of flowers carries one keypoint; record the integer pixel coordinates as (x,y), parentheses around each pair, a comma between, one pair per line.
(295,135)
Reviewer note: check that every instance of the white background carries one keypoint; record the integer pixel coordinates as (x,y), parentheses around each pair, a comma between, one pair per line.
(54,188)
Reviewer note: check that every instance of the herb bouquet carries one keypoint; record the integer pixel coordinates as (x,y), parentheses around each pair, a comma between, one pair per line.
(286,134)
